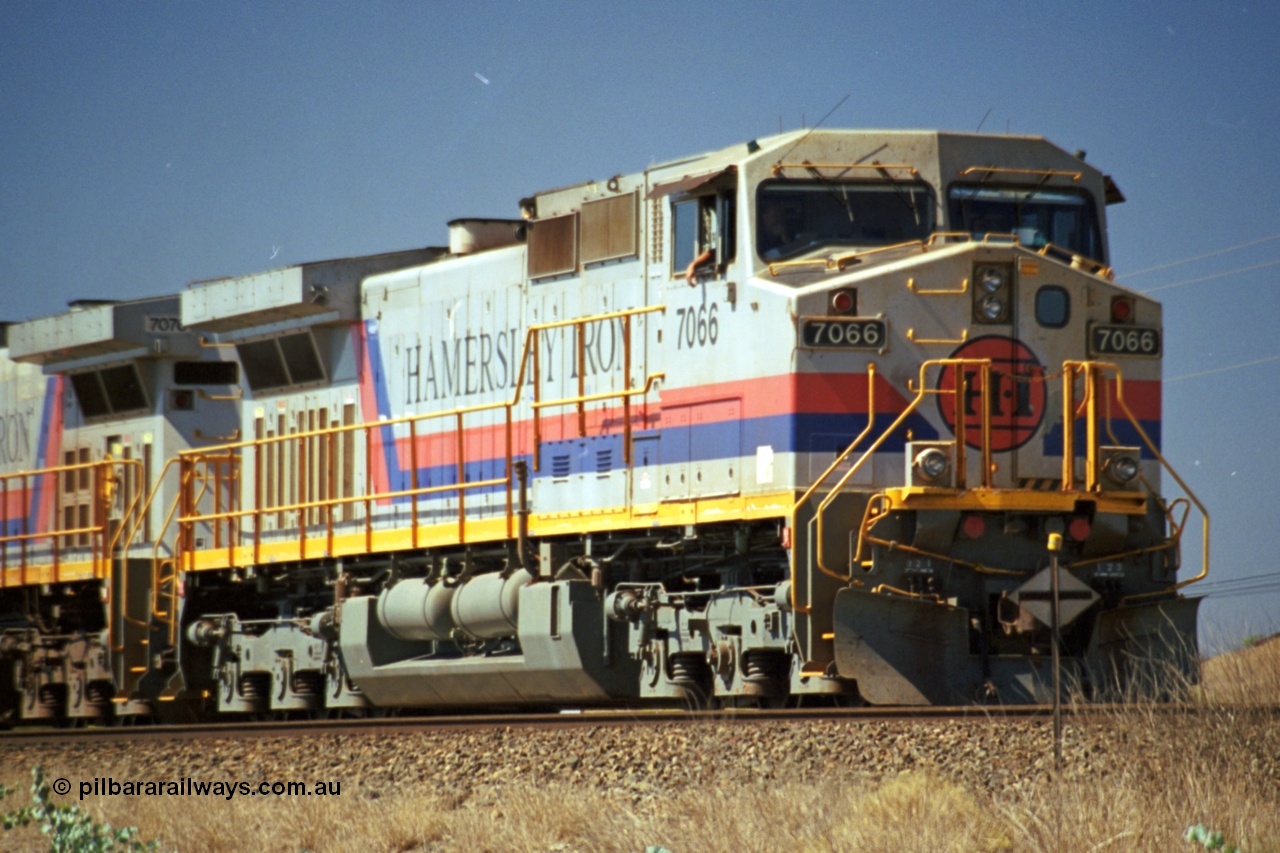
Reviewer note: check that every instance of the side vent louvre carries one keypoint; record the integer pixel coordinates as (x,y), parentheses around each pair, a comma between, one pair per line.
(604,461)
(560,465)
(656,232)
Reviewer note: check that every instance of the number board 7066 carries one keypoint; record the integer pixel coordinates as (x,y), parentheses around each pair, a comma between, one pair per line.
(862,333)
(1124,340)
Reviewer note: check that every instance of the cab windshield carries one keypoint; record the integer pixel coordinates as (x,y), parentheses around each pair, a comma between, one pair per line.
(795,217)
(1036,217)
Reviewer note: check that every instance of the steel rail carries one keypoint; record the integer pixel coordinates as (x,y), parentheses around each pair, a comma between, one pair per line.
(609,718)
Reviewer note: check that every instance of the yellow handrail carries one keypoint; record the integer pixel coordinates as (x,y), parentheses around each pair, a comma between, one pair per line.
(1091,372)
(871,421)
(218,466)
(884,587)
(1004,170)
(964,336)
(170,615)
(964,288)
(874,514)
(196,459)
(156,560)
(839,262)
(937,238)
(1081,262)
(922,392)
(778,168)
(102,541)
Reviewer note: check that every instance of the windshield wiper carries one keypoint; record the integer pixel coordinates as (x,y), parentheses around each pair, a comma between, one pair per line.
(840,194)
(903,196)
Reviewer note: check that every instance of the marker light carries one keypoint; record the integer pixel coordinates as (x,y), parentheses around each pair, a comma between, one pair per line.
(1079,528)
(932,464)
(843,302)
(973,526)
(1121,309)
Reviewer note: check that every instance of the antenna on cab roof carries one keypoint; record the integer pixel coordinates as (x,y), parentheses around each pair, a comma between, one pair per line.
(816,126)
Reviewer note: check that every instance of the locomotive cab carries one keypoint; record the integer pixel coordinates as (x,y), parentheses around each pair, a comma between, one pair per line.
(1014,392)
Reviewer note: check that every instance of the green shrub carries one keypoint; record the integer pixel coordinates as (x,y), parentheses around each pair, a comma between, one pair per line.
(1212,839)
(69,829)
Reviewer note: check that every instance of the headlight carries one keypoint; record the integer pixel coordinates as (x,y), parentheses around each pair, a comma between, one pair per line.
(992,307)
(932,464)
(991,279)
(992,293)
(1122,469)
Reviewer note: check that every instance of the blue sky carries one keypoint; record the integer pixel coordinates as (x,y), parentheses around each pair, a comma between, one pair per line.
(146,145)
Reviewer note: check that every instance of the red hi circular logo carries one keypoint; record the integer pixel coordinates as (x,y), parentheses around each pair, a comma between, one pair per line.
(1016,398)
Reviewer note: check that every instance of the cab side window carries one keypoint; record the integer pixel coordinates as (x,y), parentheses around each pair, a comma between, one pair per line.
(700,224)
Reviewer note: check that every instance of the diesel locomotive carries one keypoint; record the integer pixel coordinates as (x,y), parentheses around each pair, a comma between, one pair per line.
(795,421)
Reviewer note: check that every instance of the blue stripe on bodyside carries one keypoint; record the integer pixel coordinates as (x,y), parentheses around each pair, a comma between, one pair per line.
(45,443)
(826,434)
(786,433)
(809,433)
(830,433)
(1123,431)
(30,520)
(397,479)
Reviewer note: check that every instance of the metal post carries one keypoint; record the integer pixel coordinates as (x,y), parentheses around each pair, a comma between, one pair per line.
(1055,545)
(522,536)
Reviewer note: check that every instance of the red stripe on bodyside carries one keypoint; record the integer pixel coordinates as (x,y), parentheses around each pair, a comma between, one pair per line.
(52,451)
(787,394)
(1141,395)
(369,408)
(794,393)
(15,499)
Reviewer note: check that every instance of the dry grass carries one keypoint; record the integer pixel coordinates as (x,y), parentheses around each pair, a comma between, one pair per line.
(1247,676)
(1160,776)
(1133,782)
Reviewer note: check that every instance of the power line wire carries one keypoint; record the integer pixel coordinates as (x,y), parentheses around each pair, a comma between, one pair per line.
(1238,592)
(1237,586)
(1259,585)
(1228,367)
(1218,596)
(1202,257)
(1275,575)
(1212,277)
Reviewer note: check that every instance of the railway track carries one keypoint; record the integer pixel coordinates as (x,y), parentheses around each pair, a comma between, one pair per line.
(394,725)
(633,760)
